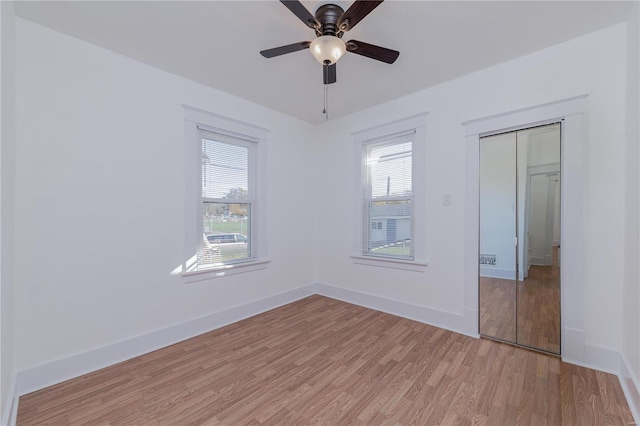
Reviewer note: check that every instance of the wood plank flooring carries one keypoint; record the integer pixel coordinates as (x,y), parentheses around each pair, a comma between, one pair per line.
(498,308)
(323,361)
(539,309)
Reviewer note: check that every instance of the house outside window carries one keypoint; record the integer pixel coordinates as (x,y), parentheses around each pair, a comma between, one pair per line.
(228,198)
(388,197)
(390,183)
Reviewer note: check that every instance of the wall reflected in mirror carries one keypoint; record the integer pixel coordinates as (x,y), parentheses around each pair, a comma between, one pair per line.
(519,267)
(497,237)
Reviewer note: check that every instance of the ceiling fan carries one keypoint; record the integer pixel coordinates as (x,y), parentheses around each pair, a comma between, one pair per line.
(330,23)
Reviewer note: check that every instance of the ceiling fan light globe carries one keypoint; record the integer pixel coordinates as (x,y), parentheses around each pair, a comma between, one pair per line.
(327,49)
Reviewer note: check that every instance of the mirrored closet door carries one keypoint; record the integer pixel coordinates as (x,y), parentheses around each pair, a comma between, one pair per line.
(519,271)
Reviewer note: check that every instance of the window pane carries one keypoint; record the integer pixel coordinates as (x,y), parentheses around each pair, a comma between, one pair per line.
(227,233)
(225,170)
(389,169)
(391,228)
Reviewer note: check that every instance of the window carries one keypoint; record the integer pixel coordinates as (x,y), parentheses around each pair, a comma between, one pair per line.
(390,206)
(225,178)
(228,197)
(388,198)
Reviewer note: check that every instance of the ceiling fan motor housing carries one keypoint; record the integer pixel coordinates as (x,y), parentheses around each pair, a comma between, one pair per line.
(328,16)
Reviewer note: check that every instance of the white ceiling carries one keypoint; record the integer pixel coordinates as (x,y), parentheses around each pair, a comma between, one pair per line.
(217,43)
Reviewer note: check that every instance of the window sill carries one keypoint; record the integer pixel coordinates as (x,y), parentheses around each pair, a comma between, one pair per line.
(383,262)
(224,270)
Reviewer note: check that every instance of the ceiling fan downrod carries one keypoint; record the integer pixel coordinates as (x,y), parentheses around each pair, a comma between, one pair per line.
(325,69)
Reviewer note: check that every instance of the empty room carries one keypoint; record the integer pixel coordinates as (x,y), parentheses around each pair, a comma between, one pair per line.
(328,212)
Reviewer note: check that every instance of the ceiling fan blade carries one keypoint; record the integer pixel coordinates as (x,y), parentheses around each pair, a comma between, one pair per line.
(301,12)
(371,51)
(358,10)
(329,74)
(289,48)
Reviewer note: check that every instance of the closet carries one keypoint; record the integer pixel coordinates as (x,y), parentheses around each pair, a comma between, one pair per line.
(520,247)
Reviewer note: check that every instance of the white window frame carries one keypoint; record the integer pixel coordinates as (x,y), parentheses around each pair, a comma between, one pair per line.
(364,138)
(196,120)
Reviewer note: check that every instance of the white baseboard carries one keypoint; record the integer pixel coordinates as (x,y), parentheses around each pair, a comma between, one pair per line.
(602,359)
(596,358)
(57,371)
(10,412)
(537,260)
(13,416)
(505,274)
(443,319)
(471,322)
(630,387)
(572,345)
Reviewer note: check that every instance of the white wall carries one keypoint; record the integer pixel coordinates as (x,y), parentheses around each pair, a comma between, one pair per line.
(593,64)
(100,199)
(7,181)
(631,290)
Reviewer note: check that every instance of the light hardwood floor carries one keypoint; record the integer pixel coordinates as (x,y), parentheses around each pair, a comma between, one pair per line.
(323,361)
(539,309)
(498,308)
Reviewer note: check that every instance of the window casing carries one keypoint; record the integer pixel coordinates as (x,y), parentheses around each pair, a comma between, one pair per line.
(225,178)
(390,183)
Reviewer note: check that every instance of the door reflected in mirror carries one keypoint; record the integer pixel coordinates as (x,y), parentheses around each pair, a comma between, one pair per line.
(520,247)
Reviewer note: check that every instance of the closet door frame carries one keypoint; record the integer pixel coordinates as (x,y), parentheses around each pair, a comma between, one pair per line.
(570,112)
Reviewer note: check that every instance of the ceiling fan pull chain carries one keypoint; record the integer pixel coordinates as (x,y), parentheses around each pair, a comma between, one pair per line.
(326,102)
(325,78)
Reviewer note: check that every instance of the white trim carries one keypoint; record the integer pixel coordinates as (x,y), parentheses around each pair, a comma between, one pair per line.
(223,124)
(538,260)
(529,117)
(630,387)
(53,372)
(505,274)
(573,347)
(194,120)
(224,271)
(601,359)
(572,231)
(470,322)
(472,233)
(417,125)
(13,418)
(398,126)
(543,169)
(443,319)
(407,265)
(10,413)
